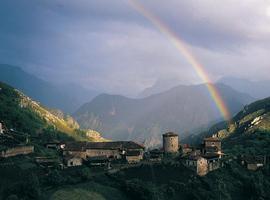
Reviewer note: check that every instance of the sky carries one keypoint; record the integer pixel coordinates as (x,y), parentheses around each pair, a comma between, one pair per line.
(107,45)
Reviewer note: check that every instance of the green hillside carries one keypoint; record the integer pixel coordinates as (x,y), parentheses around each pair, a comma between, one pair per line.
(67,97)
(25,116)
(252,121)
(248,134)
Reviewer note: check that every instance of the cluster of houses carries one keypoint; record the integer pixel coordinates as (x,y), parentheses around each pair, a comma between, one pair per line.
(202,160)
(75,153)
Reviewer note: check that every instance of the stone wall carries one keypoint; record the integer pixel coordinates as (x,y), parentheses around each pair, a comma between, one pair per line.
(103,152)
(20,150)
(202,167)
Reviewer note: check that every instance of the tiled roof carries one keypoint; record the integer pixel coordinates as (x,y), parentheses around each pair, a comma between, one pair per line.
(170,134)
(212,139)
(83,146)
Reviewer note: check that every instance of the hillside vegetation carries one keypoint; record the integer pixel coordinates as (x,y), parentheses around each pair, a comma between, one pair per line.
(22,114)
(247,134)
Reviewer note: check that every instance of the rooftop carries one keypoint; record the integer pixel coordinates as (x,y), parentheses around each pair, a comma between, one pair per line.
(212,139)
(254,159)
(83,146)
(170,134)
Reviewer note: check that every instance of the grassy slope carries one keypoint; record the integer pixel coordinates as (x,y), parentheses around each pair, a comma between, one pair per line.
(90,190)
(19,112)
(31,120)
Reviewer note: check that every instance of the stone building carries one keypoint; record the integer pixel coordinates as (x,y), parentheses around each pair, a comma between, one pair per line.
(71,161)
(203,164)
(170,142)
(212,145)
(253,163)
(207,158)
(112,150)
(15,151)
(133,156)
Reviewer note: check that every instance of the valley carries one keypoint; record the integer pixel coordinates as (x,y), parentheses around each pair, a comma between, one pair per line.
(155,175)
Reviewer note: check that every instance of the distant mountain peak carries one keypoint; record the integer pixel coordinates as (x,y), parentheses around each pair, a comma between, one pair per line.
(183,109)
(67,98)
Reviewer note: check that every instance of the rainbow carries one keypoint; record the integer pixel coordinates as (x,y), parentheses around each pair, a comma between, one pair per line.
(184,50)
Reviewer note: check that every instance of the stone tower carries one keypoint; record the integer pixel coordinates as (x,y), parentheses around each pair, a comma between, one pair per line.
(170,142)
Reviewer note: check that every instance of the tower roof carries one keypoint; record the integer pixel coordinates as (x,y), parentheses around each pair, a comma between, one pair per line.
(212,139)
(170,134)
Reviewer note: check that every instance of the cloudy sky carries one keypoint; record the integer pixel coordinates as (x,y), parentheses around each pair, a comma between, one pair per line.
(109,46)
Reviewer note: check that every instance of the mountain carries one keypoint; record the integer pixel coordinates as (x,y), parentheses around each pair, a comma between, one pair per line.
(65,97)
(161,85)
(256,89)
(247,132)
(183,109)
(21,114)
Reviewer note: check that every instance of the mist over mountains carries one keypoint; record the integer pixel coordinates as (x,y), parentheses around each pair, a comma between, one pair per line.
(66,97)
(161,85)
(186,109)
(183,109)
(256,89)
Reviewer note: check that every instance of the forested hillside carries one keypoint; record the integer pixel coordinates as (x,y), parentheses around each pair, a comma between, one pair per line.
(22,114)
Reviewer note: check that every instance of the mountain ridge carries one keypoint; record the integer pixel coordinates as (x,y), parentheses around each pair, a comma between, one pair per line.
(146,119)
(63,97)
(20,113)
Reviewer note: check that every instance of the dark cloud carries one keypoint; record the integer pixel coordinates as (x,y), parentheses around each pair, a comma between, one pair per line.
(108,45)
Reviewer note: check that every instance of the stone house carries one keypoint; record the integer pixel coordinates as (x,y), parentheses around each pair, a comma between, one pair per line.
(71,161)
(212,145)
(133,156)
(112,150)
(203,164)
(253,163)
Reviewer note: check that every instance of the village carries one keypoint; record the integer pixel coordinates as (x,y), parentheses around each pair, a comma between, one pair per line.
(124,154)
